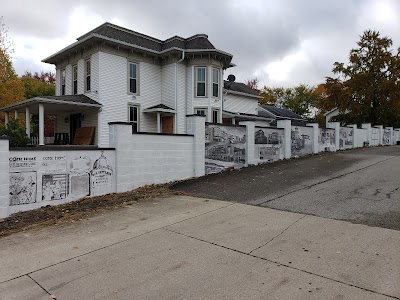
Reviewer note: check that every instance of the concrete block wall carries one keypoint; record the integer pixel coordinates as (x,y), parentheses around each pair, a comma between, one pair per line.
(4,177)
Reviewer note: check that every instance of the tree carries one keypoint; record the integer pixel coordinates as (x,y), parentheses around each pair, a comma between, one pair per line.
(253,84)
(16,133)
(369,85)
(301,99)
(38,84)
(6,50)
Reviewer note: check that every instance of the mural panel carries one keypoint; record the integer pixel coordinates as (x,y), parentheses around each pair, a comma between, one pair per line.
(386,139)
(268,144)
(61,175)
(346,138)
(301,140)
(326,139)
(225,147)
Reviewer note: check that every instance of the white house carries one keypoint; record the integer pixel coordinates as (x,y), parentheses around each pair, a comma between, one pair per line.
(113,74)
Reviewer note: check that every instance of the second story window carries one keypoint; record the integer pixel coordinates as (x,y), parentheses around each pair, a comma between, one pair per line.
(201,81)
(133,82)
(87,75)
(63,82)
(133,117)
(75,79)
(215,83)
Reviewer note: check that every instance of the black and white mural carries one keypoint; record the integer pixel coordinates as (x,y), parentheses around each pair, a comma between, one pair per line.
(61,175)
(268,144)
(326,139)
(225,147)
(374,136)
(386,139)
(301,140)
(346,138)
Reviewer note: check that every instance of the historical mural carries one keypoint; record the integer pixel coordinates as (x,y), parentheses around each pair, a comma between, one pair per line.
(62,176)
(225,147)
(346,137)
(326,139)
(386,139)
(301,140)
(374,136)
(268,144)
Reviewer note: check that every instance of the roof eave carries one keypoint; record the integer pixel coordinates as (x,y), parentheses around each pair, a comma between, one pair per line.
(242,94)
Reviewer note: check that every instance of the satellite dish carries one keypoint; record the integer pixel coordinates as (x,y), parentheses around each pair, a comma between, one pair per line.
(231,78)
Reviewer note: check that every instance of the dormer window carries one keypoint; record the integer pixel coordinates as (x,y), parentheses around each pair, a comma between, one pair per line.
(133,78)
(75,79)
(63,82)
(88,76)
(215,83)
(201,81)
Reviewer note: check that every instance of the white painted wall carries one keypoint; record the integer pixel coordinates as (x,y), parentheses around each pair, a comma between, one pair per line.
(240,104)
(360,137)
(4,177)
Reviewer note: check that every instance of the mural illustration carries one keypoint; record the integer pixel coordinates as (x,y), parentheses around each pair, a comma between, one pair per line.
(268,144)
(101,176)
(22,188)
(79,177)
(54,186)
(225,147)
(346,137)
(326,139)
(301,140)
(374,136)
(386,137)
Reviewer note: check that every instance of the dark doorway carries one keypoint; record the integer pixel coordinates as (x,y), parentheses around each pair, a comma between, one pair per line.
(167,124)
(74,123)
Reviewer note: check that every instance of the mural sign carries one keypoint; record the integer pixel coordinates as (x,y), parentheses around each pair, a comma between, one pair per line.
(386,139)
(63,176)
(268,144)
(225,147)
(346,138)
(326,139)
(301,140)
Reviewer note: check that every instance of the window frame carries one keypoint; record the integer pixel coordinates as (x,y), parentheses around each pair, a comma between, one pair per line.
(62,81)
(212,116)
(74,79)
(133,122)
(216,83)
(88,75)
(129,78)
(201,109)
(196,81)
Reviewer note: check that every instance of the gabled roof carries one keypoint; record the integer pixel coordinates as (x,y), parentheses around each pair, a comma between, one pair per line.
(240,88)
(124,37)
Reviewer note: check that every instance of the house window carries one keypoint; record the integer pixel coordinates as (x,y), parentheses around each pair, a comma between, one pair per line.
(215,116)
(133,78)
(201,81)
(215,83)
(63,82)
(201,112)
(133,117)
(75,79)
(88,75)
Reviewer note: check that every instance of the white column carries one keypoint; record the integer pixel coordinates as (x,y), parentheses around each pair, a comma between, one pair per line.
(250,141)
(287,137)
(355,138)
(367,126)
(16,114)
(336,126)
(41,124)
(4,177)
(28,122)
(7,117)
(158,123)
(196,126)
(99,144)
(315,145)
(391,135)
(380,130)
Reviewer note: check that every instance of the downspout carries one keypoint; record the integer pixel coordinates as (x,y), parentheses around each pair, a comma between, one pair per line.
(176,91)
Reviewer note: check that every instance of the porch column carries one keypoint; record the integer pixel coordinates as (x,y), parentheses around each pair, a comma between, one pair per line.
(158,123)
(28,122)
(41,124)
(7,117)
(16,114)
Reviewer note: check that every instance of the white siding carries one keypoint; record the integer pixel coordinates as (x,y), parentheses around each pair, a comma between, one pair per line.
(242,104)
(189,90)
(58,79)
(68,80)
(114,96)
(168,85)
(181,103)
(81,77)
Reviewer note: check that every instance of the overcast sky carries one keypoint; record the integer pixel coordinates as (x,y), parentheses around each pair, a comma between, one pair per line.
(281,42)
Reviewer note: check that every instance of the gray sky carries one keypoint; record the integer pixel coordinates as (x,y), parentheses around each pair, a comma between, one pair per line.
(281,42)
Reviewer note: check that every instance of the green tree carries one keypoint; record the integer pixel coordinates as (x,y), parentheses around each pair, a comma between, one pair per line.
(6,50)
(16,133)
(369,85)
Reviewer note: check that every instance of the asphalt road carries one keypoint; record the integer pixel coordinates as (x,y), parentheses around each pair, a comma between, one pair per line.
(360,186)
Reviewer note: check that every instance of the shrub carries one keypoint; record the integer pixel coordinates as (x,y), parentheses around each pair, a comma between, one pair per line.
(16,133)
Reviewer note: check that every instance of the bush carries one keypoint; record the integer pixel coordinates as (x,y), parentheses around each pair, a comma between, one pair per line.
(16,133)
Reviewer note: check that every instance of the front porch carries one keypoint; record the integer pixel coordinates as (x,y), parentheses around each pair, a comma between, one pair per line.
(75,119)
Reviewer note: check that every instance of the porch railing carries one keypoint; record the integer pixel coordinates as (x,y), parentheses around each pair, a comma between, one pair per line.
(47,140)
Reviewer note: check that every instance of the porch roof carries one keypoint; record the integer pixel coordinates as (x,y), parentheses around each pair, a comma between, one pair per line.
(54,104)
(160,108)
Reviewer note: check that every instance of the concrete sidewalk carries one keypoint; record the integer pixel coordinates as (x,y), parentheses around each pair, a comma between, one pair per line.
(192,248)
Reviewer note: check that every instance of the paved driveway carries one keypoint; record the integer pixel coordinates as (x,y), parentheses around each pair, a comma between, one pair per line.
(360,186)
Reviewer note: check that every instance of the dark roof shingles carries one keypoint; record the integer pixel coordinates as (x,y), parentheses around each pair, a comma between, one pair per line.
(239,87)
(281,112)
(73,98)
